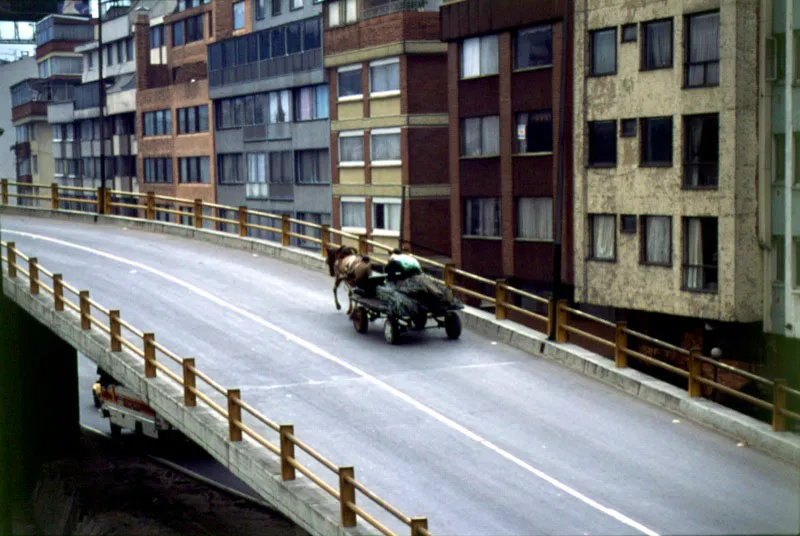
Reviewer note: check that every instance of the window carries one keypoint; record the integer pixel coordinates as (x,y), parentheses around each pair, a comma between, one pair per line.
(312,37)
(230,168)
(193,28)
(295,4)
(657,45)
(192,119)
(110,54)
(280,167)
(279,109)
(701,151)
(312,167)
(479,56)
(157,170)
(276,7)
(796,262)
(702,50)
(533,47)
(604,52)
(534,133)
(256,176)
(480,136)
(628,128)
(656,138)
(58,133)
(261,9)
(238,15)
(628,223)
(656,240)
(311,103)
(535,218)
(482,216)
(129,49)
(294,36)
(386,215)
(158,123)
(700,254)
(603,233)
(384,76)
(35,164)
(778,158)
(342,12)
(194,169)
(351,148)
(177,34)
(778,260)
(385,145)
(629,33)
(90,60)
(354,213)
(349,81)
(602,143)
(157,36)
(120,51)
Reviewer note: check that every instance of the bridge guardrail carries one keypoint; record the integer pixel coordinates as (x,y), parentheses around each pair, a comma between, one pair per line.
(92,314)
(554,317)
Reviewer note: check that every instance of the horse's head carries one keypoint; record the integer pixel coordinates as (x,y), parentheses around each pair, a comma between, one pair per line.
(336,254)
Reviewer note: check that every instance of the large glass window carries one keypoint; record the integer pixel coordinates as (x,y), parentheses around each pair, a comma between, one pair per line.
(533,47)
(480,136)
(157,170)
(604,52)
(312,166)
(351,148)
(482,216)
(349,81)
(702,50)
(384,76)
(354,213)
(386,215)
(194,169)
(157,36)
(535,218)
(311,103)
(534,132)
(656,240)
(238,15)
(385,145)
(603,143)
(192,119)
(656,141)
(603,233)
(280,167)
(700,254)
(479,56)
(256,176)
(261,9)
(279,108)
(158,123)
(230,169)
(657,45)
(177,34)
(342,12)
(701,150)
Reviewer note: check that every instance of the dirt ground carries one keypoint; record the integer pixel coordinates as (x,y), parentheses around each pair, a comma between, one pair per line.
(107,488)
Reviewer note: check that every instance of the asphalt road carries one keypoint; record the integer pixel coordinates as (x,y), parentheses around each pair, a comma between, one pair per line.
(479,437)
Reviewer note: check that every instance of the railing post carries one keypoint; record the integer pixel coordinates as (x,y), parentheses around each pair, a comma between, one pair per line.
(151,205)
(450,275)
(189,382)
(347,494)
(501,298)
(54,195)
(33,275)
(287,452)
(58,292)
(114,327)
(242,221)
(4,191)
(83,298)
(234,415)
(149,355)
(551,318)
(107,201)
(363,247)
(12,259)
(620,357)
(418,523)
(100,200)
(778,404)
(325,236)
(695,371)
(198,213)
(286,228)
(561,321)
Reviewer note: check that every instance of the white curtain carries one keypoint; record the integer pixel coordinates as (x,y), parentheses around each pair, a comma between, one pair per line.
(695,137)
(659,44)
(322,102)
(305,107)
(694,254)
(385,147)
(482,217)
(353,214)
(351,149)
(471,57)
(471,137)
(703,47)
(603,238)
(387,216)
(333,14)
(385,77)
(535,218)
(279,107)
(658,240)
(351,10)
(489,54)
(604,52)
(490,134)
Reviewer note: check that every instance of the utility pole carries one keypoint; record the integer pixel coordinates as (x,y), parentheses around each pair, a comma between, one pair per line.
(102,97)
(562,136)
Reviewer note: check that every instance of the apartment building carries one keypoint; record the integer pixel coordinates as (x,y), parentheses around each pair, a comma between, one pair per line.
(11,73)
(270,107)
(388,106)
(666,200)
(504,82)
(59,69)
(173,119)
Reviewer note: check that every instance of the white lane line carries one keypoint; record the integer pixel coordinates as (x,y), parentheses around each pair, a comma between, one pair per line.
(352,368)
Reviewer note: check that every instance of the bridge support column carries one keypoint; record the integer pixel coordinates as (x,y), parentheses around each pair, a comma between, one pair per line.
(39,413)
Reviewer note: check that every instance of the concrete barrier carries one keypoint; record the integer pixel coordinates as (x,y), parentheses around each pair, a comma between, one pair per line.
(756,434)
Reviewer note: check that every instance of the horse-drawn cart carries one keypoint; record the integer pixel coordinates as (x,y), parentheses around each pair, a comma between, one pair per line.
(374,301)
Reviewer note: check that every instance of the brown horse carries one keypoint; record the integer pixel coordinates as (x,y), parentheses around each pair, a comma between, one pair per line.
(345,264)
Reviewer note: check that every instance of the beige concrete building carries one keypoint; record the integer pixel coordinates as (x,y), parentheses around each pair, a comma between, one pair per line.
(666,99)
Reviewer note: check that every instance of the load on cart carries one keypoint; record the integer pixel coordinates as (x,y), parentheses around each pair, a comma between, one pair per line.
(404,295)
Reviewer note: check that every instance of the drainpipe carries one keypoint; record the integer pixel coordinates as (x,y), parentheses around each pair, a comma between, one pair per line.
(102,96)
(788,176)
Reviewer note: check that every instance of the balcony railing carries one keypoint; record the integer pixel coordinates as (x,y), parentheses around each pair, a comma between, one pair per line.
(392,6)
(271,68)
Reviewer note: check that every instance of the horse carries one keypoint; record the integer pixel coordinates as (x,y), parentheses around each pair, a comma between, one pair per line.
(344,264)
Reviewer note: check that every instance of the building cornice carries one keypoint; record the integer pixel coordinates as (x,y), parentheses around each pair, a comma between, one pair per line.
(385,51)
(413,120)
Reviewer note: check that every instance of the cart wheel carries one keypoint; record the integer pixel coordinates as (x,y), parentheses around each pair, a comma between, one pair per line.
(452,325)
(420,320)
(360,320)
(391,331)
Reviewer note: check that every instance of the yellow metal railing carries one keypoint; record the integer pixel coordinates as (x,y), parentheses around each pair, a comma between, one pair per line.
(552,317)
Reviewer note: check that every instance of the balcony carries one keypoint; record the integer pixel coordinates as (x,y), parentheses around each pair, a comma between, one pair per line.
(379,8)
(271,68)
